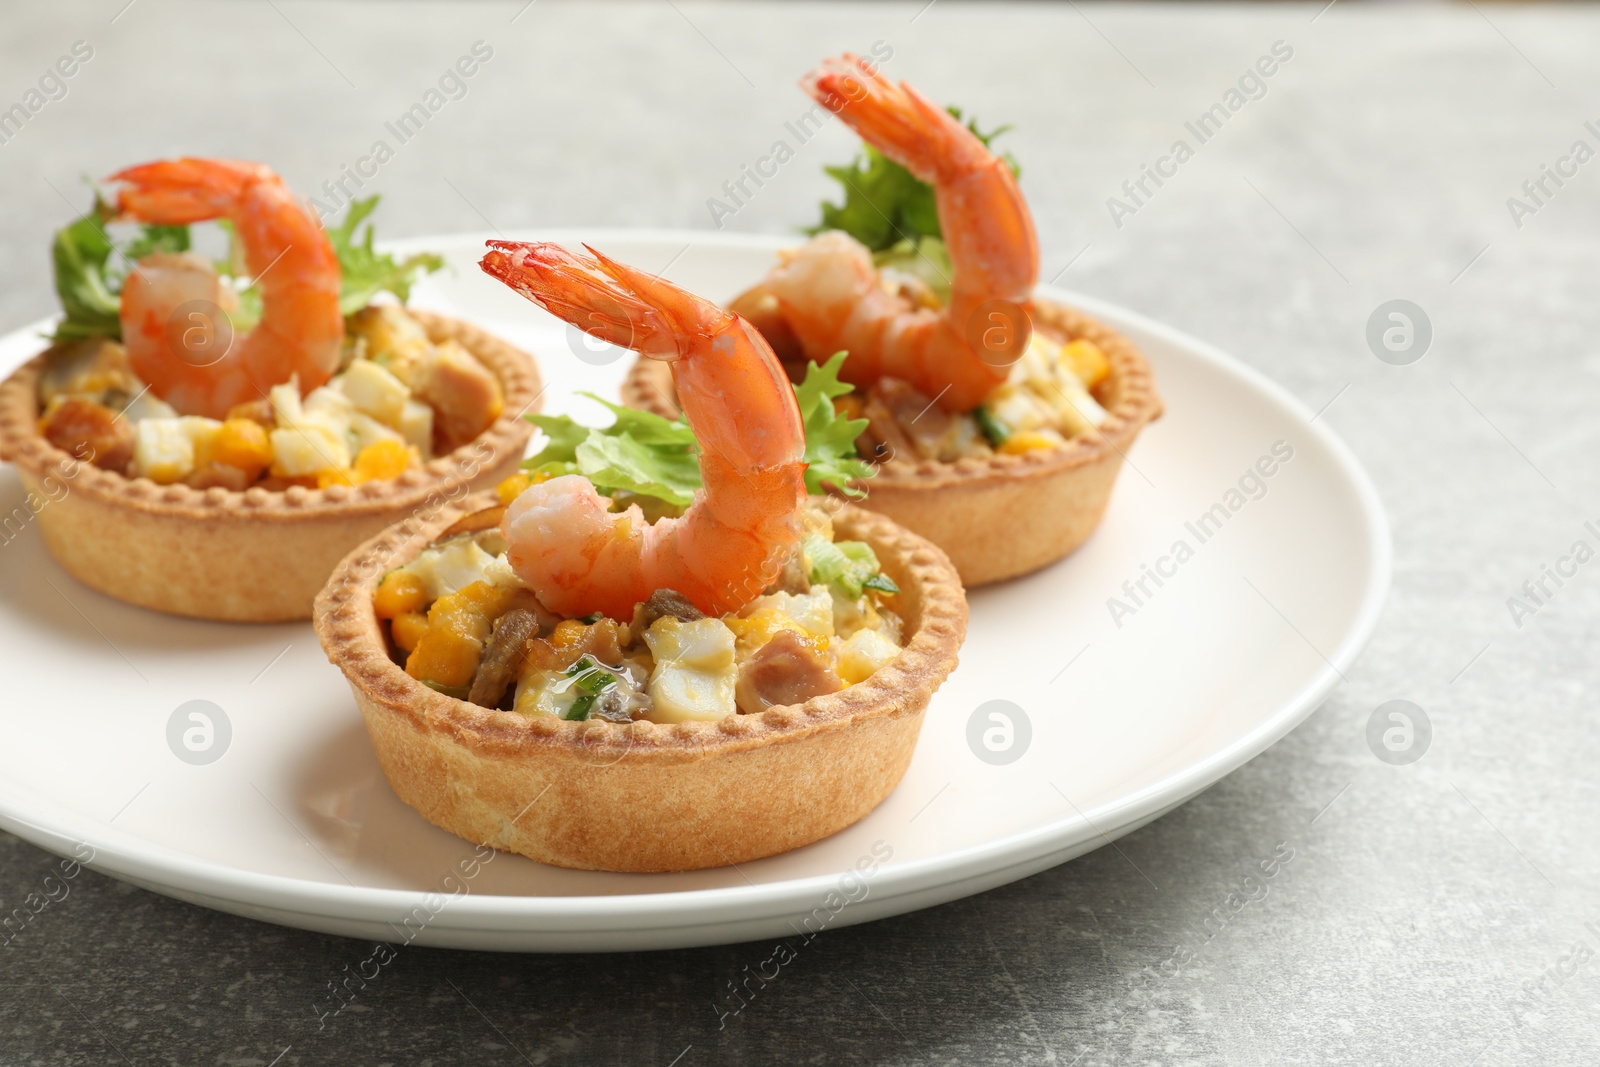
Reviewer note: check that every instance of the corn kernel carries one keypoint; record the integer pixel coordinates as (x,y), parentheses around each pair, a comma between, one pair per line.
(1028,441)
(567,634)
(407,629)
(512,487)
(444,657)
(398,594)
(1087,361)
(382,461)
(242,443)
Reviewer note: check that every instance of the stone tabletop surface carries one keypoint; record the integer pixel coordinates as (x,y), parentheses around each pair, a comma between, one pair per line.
(1445,910)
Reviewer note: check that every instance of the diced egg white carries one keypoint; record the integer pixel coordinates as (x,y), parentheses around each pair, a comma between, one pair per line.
(695,674)
(162,451)
(307,448)
(366,430)
(374,391)
(416,426)
(813,611)
(456,565)
(862,653)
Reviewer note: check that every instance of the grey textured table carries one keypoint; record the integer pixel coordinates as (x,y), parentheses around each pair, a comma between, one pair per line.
(1434,913)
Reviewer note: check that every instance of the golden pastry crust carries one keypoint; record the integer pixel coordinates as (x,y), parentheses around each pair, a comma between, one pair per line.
(647,797)
(256,555)
(998,516)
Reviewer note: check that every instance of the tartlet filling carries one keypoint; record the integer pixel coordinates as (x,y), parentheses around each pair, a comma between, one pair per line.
(461,622)
(397,401)
(1049,398)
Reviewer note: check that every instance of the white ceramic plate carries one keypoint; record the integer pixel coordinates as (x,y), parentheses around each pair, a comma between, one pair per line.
(1129,716)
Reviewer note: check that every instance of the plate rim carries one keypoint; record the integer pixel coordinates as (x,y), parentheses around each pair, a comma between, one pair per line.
(45,822)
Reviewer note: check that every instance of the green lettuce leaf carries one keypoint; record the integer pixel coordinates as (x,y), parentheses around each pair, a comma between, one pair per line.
(883,204)
(80,255)
(621,461)
(646,454)
(831,457)
(90,269)
(364,273)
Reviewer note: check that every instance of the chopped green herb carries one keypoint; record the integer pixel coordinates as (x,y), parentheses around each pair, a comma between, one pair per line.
(848,566)
(995,430)
(590,620)
(590,682)
(881,583)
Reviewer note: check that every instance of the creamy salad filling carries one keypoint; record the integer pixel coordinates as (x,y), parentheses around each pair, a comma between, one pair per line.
(1048,399)
(461,622)
(397,401)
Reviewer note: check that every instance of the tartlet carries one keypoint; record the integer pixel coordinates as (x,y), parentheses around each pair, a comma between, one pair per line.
(646,797)
(253,556)
(1002,515)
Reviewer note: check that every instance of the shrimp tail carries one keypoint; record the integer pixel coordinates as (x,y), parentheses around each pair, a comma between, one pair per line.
(594,295)
(180,192)
(733,538)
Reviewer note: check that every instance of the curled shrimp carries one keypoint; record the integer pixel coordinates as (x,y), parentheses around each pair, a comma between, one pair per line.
(173,306)
(580,557)
(829,291)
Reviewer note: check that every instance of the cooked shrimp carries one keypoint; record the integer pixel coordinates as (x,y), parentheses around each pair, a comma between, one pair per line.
(184,354)
(830,292)
(580,557)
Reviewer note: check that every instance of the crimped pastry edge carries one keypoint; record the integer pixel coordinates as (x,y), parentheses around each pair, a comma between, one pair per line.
(22,445)
(352,639)
(648,387)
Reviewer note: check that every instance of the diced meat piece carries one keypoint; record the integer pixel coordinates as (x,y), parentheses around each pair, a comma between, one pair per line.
(94,368)
(259,411)
(883,439)
(612,707)
(503,657)
(220,476)
(786,670)
(920,421)
(464,394)
(662,603)
(570,641)
(89,431)
(475,522)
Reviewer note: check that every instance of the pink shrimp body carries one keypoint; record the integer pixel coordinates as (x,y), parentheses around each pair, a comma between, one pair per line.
(285,250)
(564,542)
(831,295)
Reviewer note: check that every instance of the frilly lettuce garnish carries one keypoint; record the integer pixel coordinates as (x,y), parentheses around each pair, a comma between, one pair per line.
(90,268)
(651,456)
(894,214)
